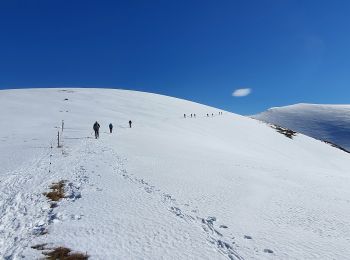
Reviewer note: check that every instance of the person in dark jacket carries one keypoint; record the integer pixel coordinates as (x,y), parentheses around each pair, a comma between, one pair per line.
(96,128)
(130,123)
(110,127)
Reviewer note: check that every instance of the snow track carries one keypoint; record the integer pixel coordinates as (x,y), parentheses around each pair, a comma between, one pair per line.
(216,239)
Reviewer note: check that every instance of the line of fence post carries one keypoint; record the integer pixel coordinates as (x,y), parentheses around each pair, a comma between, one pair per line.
(50,157)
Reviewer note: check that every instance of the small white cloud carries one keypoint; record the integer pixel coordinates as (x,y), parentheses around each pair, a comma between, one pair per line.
(242,92)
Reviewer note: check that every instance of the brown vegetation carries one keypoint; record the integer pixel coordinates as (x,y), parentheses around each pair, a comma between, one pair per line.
(57,191)
(63,253)
(60,253)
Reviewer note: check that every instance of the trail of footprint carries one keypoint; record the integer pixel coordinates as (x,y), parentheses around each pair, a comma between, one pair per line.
(207,224)
(214,236)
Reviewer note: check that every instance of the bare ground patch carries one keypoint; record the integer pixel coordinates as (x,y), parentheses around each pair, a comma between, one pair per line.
(285,131)
(60,253)
(56,193)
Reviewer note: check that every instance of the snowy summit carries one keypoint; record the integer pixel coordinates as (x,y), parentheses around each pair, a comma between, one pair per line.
(207,186)
(325,122)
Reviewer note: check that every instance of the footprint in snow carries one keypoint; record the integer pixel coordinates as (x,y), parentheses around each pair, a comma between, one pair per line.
(76,217)
(177,211)
(210,220)
(148,189)
(167,197)
(223,244)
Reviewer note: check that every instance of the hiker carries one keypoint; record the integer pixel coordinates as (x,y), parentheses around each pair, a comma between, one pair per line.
(130,123)
(194,115)
(207,115)
(110,127)
(96,128)
(184,115)
(191,115)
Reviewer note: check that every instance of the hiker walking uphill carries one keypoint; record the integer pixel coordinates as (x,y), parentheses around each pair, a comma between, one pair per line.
(110,127)
(96,128)
(130,123)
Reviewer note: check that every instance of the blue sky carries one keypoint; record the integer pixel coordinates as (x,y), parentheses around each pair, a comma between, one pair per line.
(286,51)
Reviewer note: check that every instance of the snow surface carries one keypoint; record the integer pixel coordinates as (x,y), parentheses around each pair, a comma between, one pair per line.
(223,187)
(325,122)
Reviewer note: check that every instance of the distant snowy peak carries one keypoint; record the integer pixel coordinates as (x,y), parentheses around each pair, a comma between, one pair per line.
(325,122)
(308,106)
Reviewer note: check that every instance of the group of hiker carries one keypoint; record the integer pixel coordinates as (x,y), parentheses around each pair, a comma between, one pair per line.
(97,126)
(212,114)
(194,115)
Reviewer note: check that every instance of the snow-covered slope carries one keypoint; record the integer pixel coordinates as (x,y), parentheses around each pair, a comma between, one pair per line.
(325,122)
(221,187)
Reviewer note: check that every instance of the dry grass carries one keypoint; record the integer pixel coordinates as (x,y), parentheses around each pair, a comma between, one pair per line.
(63,253)
(60,253)
(57,191)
